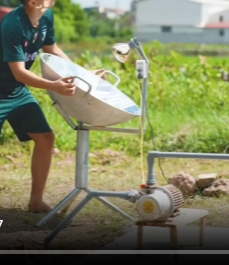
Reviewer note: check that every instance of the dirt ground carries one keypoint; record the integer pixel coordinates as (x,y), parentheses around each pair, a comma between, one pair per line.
(96,225)
(16,234)
(90,231)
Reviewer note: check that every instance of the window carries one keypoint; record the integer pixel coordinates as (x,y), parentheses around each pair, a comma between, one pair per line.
(221,32)
(166,29)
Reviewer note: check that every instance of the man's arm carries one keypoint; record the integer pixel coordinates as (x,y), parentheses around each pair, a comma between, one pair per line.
(13,54)
(49,45)
(22,75)
(54,49)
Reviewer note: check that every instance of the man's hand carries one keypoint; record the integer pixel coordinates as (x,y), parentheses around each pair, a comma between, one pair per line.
(100,71)
(64,86)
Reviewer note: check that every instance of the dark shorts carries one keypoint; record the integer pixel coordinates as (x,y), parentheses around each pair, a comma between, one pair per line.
(24,115)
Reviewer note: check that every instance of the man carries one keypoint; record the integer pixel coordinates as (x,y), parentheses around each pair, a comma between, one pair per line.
(24,31)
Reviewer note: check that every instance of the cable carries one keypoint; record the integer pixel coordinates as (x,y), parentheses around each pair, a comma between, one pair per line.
(152,137)
(142,142)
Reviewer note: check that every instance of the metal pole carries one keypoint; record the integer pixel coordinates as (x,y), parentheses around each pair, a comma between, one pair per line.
(60,206)
(90,195)
(115,208)
(156,154)
(135,44)
(82,153)
(66,221)
(153,155)
(151,179)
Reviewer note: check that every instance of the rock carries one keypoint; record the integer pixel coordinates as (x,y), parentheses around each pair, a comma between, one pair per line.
(184,182)
(219,187)
(206,180)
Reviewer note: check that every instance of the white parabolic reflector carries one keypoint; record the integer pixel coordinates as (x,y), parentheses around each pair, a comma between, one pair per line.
(103,105)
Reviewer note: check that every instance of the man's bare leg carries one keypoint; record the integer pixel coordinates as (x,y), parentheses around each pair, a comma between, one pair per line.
(40,166)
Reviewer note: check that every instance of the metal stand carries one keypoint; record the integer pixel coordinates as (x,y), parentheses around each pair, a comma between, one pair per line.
(81,176)
(82,152)
(81,181)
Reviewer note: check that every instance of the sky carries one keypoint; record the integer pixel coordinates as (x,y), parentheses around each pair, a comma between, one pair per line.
(122,4)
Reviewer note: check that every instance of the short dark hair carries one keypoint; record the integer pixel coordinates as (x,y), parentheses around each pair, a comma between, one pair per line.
(23,2)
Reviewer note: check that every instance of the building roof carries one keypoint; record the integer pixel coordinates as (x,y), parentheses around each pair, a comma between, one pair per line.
(214,2)
(115,10)
(106,9)
(217,25)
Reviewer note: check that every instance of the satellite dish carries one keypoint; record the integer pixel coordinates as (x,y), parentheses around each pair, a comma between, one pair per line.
(96,101)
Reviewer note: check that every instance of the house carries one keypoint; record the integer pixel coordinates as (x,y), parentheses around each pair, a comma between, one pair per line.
(182,21)
(4,10)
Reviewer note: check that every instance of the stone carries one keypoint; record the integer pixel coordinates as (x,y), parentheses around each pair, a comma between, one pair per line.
(219,187)
(206,180)
(184,182)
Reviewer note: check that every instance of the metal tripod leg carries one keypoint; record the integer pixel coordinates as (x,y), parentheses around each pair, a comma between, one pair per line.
(81,178)
(112,206)
(115,208)
(66,221)
(70,196)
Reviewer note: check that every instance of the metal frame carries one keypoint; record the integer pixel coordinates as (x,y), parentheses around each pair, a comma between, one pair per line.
(155,154)
(82,152)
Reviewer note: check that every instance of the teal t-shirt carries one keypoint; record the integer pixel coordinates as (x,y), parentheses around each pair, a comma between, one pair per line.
(21,42)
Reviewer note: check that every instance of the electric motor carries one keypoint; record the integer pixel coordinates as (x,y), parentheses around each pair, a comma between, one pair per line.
(160,204)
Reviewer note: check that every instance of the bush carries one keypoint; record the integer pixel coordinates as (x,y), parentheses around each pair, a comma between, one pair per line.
(187,105)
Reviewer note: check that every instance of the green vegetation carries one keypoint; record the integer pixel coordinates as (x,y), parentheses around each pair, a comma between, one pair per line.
(73,24)
(187,105)
(187,111)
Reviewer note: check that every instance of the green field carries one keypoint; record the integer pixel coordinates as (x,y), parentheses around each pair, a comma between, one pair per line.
(187,111)
(187,104)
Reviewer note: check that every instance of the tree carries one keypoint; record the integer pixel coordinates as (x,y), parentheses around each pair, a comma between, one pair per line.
(71,22)
(10,3)
(100,25)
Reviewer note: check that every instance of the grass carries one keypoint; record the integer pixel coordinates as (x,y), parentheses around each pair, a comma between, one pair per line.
(188,112)
(108,170)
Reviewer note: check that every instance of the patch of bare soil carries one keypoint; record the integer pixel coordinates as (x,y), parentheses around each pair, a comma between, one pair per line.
(17,233)
(18,230)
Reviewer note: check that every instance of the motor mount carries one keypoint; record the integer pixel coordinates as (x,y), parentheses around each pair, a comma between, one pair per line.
(160,203)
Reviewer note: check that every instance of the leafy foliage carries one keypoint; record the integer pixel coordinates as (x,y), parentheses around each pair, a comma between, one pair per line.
(187,105)
(187,99)
(73,24)
(10,3)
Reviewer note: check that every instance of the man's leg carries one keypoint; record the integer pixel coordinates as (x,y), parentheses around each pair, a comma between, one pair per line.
(29,123)
(40,165)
